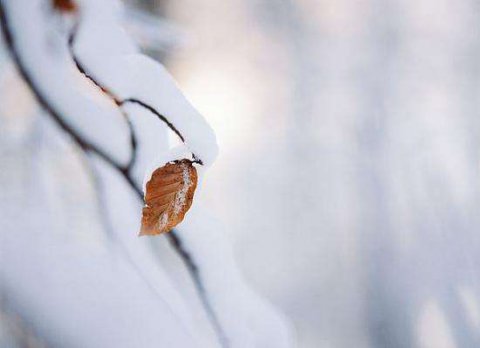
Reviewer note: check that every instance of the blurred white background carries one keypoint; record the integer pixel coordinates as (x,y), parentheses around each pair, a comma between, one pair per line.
(348,176)
(349,166)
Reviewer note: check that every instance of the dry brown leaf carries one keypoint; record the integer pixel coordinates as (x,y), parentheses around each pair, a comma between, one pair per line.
(65,5)
(169,195)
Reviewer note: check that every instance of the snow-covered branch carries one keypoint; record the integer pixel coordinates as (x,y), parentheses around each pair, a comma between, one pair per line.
(76,105)
(116,104)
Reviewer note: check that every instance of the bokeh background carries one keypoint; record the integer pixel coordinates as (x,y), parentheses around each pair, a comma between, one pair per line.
(349,165)
(348,175)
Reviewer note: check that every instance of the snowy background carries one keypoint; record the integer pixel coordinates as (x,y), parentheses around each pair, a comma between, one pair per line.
(349,166)
(347,179)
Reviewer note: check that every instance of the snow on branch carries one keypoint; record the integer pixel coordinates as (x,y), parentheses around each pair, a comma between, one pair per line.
(110,58)
(39,40)
(44,61)
(90,77)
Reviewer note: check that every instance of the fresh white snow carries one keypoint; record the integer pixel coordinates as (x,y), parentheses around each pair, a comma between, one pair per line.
(71,263)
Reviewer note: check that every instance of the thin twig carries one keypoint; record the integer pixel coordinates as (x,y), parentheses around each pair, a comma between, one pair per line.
(121,102)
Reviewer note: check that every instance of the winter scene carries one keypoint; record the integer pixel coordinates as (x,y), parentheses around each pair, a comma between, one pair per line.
(239,173)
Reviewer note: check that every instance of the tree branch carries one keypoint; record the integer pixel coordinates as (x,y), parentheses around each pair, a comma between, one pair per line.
(174,239)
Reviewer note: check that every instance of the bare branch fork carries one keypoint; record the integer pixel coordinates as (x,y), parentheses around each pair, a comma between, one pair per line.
(174,239)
